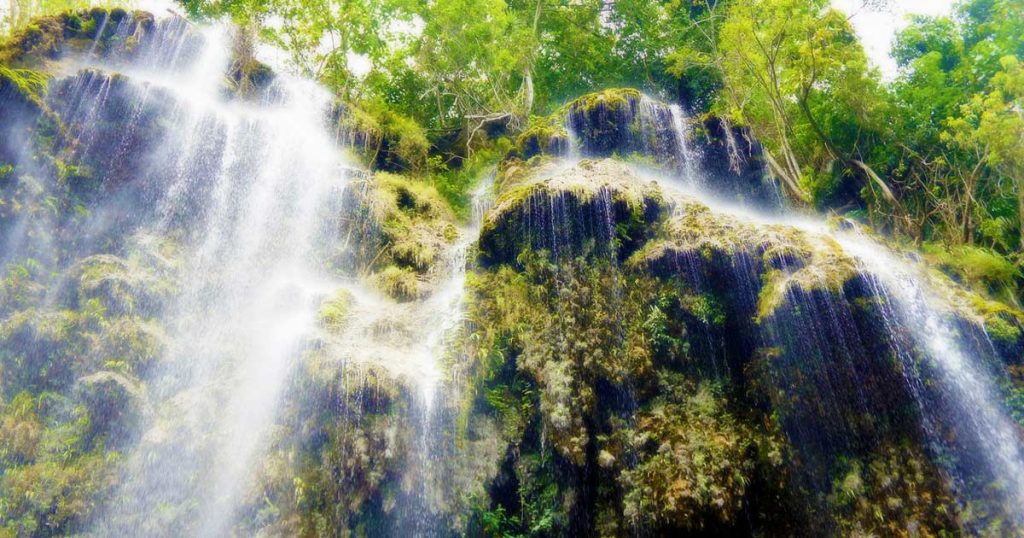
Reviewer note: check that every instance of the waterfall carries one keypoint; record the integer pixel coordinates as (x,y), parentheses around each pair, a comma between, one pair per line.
(572,152)
(972,418)
(634,126)
(209,218)
(691,170)
(252,189)
(963,374)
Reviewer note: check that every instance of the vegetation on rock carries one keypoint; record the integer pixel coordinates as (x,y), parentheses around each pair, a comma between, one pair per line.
(631,359)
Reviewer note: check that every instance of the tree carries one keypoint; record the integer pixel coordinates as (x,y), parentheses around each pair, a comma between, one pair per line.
(991,126)
(795,73)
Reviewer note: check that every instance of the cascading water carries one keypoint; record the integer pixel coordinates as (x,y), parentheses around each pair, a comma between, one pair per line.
(209,224)
(410,340)
(689,158)
(252,190)
(962,372)
(635,125)
(971,424)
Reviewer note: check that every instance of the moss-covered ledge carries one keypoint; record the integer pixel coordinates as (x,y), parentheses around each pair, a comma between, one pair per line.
(48,39)
(397,231)
(596,206)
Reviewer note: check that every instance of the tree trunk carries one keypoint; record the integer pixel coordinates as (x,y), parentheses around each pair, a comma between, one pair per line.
(528,91)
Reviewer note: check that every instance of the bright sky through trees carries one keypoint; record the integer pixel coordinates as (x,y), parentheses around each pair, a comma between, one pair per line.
(877,27)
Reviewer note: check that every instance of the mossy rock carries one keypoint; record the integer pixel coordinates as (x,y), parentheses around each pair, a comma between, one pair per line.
(132,345)
(385,139)
(695,463)
(22,86)
(397,222)
(542,139)
(733,164)
(398,283)
(335,310)
(614,100)
(123,287)
(22,93)
(607,122)
(47,350)
(115,401)
(250,76)
(799,337)
(350,420)
(604,121)
(625,124)
(598,205)
(1004,326)
(89,165)
(49,38)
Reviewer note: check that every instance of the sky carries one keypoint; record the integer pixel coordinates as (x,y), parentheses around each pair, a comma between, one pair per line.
(878,28)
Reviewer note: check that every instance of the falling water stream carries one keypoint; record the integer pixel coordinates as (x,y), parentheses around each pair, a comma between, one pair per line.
(911,304)
(252,190)
(257,186)
(966,379)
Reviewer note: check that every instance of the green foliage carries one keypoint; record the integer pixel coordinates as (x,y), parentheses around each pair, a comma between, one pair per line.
(62,26)
(53,475)
(895,486)
(391,141)
(397,282)
(416,223)
(979,267)
(795,73)
(1015,393)
(455,185)
(30,85)
(335,311)
(694,465)
(20,13)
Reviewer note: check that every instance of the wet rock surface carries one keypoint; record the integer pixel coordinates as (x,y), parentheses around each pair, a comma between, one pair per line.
(608,354)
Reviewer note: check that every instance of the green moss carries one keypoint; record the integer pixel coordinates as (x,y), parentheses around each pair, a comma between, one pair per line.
(250,75)
(121,285)
(414,196)
(1002,330)
(29,85)
(397,282)
(894,490)
(699,467)
(541,139)
(335,311)
(389,140)
(20,430)
(613,99)
(46,40)
(349,421)
(398,222)
(980,268)
(409,140)
(705,308)
(57,491)
(416,222)
(131,345)
(539,199)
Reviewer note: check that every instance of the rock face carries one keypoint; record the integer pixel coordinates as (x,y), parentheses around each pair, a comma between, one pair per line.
(716,376)
(544,208)
(630,361)
(396,231)
(722,159)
